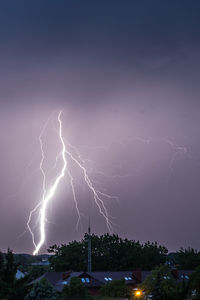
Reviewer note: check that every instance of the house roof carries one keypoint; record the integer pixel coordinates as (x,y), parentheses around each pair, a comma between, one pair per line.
(113,275)
(92,283)
(145,274)
(179,275)
(96,279)
(52,277)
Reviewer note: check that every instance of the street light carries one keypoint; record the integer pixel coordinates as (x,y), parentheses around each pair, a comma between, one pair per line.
(138,293)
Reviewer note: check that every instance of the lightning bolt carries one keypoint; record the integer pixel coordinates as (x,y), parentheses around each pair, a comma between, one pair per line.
(98,201)
(75,199)
(70,156)
(177,151)
(48,194)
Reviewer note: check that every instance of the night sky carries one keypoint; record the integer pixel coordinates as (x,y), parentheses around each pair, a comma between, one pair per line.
(126,75)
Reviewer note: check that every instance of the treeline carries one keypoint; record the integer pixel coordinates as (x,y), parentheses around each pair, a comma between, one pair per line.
(109,253)
(10,287)
(163,285)
(185,259)
(112,253)
(24,261)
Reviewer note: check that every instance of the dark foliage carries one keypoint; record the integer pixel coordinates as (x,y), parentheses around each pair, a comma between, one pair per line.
(163,286)
(109,252)
(157,292)
(188,259)
(75,291)
(115,288)
(36,271)
(195,283)
(24,261)
(41,290)
(10,287)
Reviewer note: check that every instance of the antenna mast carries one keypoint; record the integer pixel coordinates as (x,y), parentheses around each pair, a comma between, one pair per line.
(89,249)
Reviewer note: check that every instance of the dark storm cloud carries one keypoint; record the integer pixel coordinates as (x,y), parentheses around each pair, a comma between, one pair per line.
(46,44)
(119,70)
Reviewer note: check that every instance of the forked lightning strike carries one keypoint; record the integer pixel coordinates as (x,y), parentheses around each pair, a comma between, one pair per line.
(48,194)
(73,156)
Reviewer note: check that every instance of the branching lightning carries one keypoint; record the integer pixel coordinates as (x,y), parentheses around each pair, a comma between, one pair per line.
(75,199)
(71,157)
(98,201)
(48,194)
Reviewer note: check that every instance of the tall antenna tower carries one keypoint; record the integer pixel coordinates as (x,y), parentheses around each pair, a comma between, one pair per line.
(89,249)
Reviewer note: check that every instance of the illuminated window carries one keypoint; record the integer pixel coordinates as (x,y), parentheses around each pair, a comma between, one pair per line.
(85,280)
(128,278)
(166,277)
(184,276)
(108,278)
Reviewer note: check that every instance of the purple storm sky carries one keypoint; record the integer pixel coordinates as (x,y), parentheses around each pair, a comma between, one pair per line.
(126,76)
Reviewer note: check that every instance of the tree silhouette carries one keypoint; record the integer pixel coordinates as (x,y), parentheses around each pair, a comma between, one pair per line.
(109,252)
(75,291)
(41,290)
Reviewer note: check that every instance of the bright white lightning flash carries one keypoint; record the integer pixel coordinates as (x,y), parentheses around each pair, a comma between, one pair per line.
(48,194)
(70,154)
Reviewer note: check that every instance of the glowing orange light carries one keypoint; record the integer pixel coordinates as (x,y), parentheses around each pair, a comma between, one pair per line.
(138,293)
